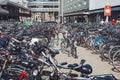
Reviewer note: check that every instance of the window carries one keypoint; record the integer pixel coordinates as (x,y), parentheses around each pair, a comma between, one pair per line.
(50,6)
(43,6)
(85,2)
(79,5)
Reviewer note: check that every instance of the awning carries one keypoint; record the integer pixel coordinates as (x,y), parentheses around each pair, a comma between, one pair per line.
(3,11)
(76,13)
(96,11)
(102,10)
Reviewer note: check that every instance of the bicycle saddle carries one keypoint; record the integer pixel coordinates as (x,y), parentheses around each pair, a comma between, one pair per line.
(85,69)
(28,64)
(54,53)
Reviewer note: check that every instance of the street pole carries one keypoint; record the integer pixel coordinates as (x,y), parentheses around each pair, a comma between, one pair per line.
(59,13)
(53,11)
(62,9)
(107,19)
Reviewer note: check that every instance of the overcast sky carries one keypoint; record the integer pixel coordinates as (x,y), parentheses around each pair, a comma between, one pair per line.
(94,3)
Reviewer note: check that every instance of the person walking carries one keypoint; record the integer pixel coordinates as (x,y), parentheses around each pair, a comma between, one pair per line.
(102,22)
(113,22)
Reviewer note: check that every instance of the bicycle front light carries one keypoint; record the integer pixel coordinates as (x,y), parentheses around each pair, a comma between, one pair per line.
(35,72)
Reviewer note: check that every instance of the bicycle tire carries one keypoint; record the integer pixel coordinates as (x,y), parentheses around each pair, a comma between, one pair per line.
(111,52)
(88,42)
(103,52)
(53,41)
(82,41)
(116,57)
(93,47)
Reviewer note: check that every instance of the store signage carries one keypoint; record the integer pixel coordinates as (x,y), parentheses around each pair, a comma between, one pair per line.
(107,10)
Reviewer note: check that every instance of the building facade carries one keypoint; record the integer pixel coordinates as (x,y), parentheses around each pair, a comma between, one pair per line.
(88,10)
(75,10)
(44,10)
(96,10)
(11,10)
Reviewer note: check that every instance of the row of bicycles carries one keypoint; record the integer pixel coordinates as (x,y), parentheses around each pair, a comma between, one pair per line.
(27,53)
(103,40)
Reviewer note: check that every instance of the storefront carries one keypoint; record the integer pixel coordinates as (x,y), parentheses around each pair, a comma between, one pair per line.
(99,14)
(80,16)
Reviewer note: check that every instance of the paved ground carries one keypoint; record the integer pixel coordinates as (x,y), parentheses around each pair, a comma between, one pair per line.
(99,67)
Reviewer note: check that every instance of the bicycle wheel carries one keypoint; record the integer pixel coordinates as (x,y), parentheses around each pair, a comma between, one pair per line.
(104,52)
(63,45)
(113,49)
(55,44)
(94,47)
(89,42)
(116,60)
(82,41)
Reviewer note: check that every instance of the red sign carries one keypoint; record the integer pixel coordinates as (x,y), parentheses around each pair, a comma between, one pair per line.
(107,10)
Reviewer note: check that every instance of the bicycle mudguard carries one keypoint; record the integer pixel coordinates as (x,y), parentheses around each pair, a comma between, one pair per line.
(104,77)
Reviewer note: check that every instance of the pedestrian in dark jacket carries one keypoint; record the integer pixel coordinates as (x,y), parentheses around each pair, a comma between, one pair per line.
(3,40)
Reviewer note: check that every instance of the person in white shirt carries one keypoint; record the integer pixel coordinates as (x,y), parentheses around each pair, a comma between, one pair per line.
(102,22)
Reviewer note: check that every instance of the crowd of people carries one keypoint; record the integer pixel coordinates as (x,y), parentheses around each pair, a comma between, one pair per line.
(113,22)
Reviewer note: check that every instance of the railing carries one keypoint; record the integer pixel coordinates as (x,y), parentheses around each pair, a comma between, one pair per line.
(43,3)
(45,9)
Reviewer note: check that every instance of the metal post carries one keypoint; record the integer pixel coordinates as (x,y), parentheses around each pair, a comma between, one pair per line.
(53,11)
(107,18)
(62,9)
(59,13)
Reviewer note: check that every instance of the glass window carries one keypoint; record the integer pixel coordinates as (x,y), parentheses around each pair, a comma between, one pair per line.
(85,2)
(79,5)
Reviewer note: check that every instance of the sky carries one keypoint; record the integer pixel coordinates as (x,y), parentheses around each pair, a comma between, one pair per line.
(94,3)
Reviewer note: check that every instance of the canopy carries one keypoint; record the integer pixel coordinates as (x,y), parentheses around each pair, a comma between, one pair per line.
(3,11)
